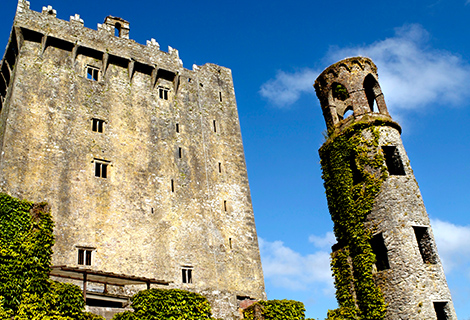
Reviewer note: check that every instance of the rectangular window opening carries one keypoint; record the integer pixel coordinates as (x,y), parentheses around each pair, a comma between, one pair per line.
(393,161)
(101,169)
(225,205)
(380,250)
(187,274)
(425,245)
(220,167)
(92,73)
(220,96)
(172,186)
(163,93)
(97,125)
(180,153)
(177,128)
(230,242)
(215,126)
(442,310)
(84,257)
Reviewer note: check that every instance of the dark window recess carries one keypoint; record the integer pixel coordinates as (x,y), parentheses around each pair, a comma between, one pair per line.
(101,169)
(220,167)
(441,309)
(393,161)
(356,173)
(92,73)
(172,186)
(215,125)
(103,303)
(84,257)
(380,250)
(177,128)
(220,96)
(425,244)
(225,205)
(180,153)
(187,274)
(97,125)
(163,93)
(230,242)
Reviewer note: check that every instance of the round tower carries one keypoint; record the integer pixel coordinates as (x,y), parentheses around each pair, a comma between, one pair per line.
(385,262)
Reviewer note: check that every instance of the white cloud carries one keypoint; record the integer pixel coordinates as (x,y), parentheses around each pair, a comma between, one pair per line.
(412,74)
(325,242)
(286,88)
(452,243)
(289,269)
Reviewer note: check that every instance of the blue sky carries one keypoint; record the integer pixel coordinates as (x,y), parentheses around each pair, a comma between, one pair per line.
(276,50)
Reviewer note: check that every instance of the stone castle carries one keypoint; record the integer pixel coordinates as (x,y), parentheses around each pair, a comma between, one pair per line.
(140,159)
(376,204)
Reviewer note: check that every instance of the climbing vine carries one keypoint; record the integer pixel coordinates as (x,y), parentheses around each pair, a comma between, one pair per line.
(353,172)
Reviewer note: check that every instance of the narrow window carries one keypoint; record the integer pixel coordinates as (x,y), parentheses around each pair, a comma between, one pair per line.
(425,245)
(88,257)
(441,308)
(180,153)
(172,186)
(163,93)
(220,96)
(380,250)
(101,169)
(393,161)
(225,205)
(81,256)
(152,210)
(220,167)
(177,128)
(92,73)
(117,30)
(187,274)
(215,125)
(230,242)
(97,125)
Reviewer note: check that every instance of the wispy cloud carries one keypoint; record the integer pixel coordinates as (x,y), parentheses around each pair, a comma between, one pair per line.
(412,74)
(289,269)
(286,88)
(452,242)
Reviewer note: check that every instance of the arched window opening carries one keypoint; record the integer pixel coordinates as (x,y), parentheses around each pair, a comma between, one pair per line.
(117,29)
(340,92)
(372,90)
(348,112)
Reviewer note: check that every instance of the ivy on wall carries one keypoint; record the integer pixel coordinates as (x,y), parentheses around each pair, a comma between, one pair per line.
(353,172)
(26,292)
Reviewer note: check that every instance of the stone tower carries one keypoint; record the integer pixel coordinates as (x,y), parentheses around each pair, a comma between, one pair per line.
(385,262)
(140,159)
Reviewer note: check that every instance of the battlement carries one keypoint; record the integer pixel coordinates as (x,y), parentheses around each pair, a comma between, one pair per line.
(111,37)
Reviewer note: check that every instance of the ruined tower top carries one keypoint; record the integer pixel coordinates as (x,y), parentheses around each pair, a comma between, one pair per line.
(349,90)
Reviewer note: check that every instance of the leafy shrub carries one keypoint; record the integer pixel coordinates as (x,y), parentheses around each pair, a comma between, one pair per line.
(171,304)
(277,310)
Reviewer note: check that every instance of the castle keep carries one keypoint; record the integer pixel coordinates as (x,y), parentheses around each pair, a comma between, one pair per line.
(385,263)
(140,159)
